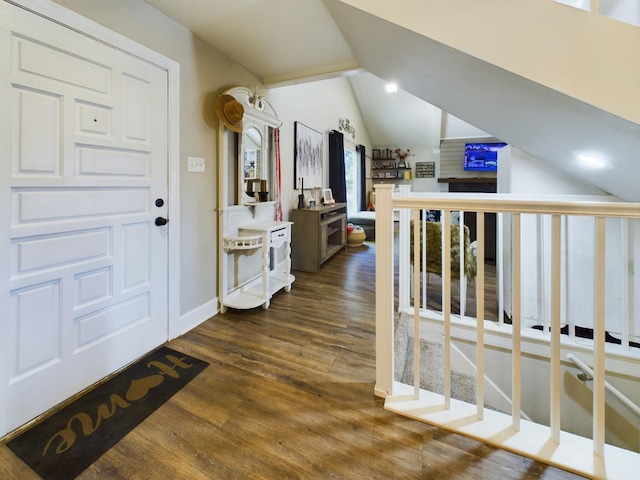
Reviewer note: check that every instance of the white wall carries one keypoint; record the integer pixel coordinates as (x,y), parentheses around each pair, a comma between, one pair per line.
(453,127)
(522,174)
(450,127)
(318,105)
(424,154)
(418,154)
(528,175)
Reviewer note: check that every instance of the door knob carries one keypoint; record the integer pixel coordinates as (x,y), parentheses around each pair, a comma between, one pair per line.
(161,221)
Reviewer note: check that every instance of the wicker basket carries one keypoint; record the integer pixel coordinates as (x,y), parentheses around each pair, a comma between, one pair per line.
(356,237)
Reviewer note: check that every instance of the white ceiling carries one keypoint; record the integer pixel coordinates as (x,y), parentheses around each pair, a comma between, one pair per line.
(253,33)
(293,41)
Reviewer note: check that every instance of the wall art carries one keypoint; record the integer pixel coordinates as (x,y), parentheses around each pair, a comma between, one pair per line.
(308,156)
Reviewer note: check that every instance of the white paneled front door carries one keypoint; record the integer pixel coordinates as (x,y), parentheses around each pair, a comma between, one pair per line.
(83,177)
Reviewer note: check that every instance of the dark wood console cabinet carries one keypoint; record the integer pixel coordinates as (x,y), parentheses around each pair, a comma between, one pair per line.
(317,234)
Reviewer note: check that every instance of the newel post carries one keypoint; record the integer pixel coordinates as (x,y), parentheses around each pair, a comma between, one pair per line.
(384,290)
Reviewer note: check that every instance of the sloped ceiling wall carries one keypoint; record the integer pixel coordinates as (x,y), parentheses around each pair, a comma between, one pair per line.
(529,116)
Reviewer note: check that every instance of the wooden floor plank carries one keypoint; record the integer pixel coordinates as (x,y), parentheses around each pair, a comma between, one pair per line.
(289,395)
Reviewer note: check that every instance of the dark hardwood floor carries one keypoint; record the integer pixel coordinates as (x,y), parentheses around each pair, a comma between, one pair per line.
(289,395)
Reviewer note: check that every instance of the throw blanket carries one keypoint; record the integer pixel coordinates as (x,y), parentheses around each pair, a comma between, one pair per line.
(434,250)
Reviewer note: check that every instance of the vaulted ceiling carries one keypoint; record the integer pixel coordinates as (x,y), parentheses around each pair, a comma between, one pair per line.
(293,41)
(286,42)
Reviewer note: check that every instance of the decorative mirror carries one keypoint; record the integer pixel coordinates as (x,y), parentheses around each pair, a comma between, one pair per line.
(247,167)
(252,151)
(255,170)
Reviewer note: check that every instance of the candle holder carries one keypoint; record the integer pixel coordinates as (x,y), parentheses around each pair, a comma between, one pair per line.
(255,186)
(300,201)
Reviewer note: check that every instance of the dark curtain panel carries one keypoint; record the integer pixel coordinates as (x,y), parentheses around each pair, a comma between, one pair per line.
(337,181)
(362,175)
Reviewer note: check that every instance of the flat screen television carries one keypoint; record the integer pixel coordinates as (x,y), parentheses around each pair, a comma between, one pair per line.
(482,157)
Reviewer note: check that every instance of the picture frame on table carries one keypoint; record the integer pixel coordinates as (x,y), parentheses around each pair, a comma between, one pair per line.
(327,197)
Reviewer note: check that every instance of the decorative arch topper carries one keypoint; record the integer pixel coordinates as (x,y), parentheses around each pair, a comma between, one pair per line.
(255,106)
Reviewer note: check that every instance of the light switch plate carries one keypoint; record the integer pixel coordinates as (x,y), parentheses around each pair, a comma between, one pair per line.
(195,164)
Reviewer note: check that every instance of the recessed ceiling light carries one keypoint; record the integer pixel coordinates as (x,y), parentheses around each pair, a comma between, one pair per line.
(391,87)
(592,160)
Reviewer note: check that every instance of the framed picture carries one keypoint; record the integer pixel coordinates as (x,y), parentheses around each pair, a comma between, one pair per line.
(307,156)
(375,153)
(327,196)
(425,169)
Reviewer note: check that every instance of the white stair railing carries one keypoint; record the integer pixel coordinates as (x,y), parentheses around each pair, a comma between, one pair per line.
(541,439)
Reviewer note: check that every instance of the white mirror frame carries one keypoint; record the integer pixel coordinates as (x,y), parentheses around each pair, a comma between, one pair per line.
(258,113)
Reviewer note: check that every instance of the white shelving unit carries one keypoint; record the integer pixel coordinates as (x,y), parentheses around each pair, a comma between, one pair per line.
(271,237)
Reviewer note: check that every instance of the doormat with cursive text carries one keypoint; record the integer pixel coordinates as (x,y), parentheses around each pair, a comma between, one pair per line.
(63,445)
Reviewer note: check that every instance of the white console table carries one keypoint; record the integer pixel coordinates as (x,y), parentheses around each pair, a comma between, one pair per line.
(269,236)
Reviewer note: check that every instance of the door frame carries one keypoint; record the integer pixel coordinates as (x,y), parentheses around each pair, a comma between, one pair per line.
(67,18)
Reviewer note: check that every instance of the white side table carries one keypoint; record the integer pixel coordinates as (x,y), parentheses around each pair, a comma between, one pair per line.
(270,236)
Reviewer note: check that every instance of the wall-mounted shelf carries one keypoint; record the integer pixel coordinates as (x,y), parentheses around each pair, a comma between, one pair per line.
(389,169)
(242,243)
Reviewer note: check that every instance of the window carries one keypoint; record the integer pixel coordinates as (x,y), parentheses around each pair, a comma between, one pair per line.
(627,11)
(352,179)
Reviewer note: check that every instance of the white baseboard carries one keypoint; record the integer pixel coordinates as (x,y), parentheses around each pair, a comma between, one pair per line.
(378,392)
(198,315)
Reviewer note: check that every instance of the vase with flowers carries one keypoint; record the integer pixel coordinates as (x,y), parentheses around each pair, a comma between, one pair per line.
(401,155)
